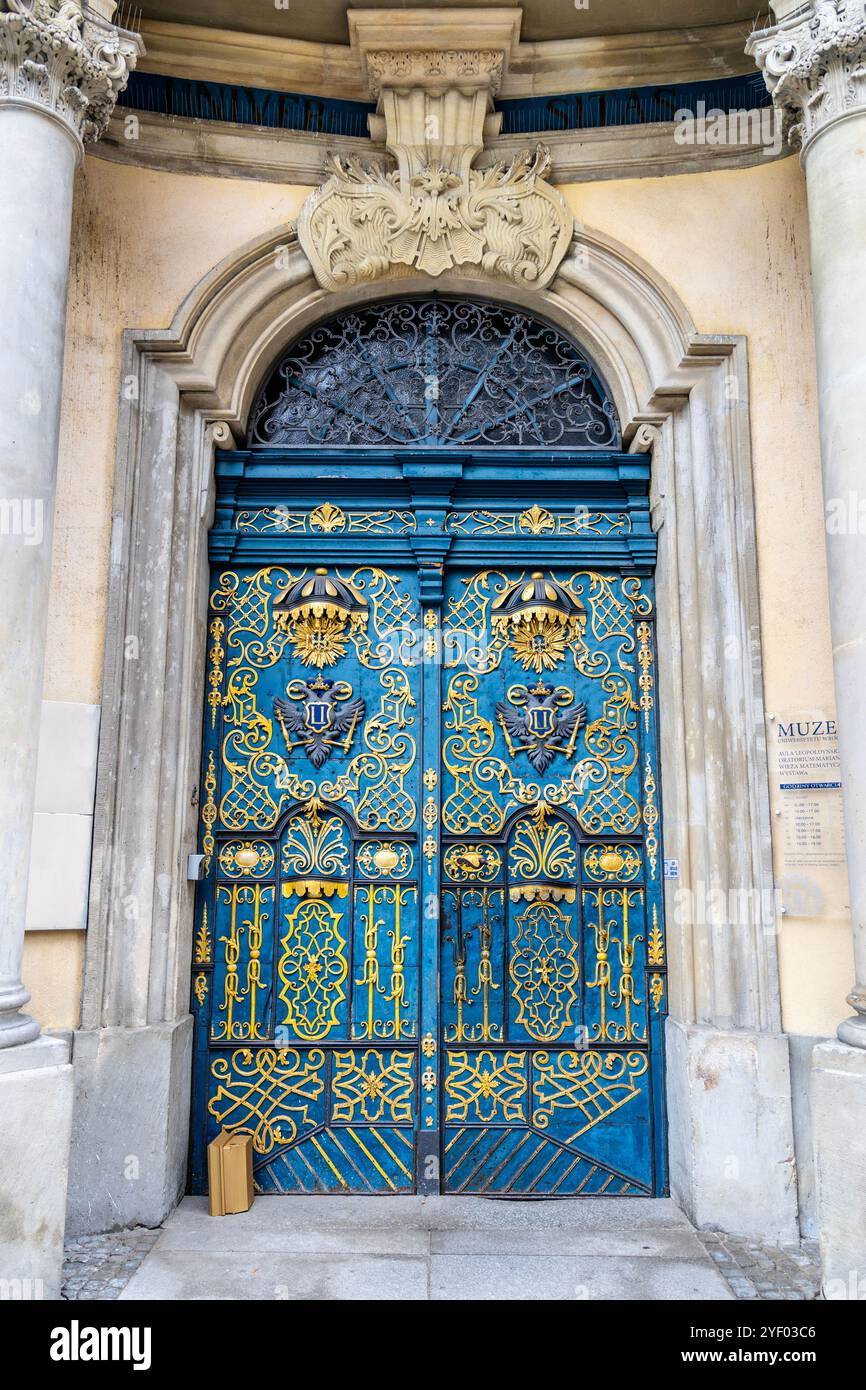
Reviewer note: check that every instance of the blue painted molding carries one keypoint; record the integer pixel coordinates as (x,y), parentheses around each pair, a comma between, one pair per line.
(624,106)
(415,484)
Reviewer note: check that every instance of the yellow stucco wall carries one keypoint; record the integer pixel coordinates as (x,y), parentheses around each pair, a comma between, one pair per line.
(733,244)
(54,968)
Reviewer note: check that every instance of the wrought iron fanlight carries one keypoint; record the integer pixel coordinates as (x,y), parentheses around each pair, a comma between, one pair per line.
(538,618)
(318,613)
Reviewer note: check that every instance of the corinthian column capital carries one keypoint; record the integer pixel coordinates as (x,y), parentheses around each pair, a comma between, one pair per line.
(67,58)
(814,65)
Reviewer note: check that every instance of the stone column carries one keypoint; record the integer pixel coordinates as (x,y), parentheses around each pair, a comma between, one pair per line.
(814,64)
(61,66)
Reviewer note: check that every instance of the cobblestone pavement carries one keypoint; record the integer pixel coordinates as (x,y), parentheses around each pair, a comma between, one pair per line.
(788,1272)
(98,1267)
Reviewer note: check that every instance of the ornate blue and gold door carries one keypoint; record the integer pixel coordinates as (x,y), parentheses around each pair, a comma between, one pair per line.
(552,963)
(428,950)
(308,948)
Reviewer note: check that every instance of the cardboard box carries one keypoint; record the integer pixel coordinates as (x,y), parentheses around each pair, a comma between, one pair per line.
(230,1173)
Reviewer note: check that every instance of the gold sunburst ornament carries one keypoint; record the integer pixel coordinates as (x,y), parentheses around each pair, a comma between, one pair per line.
(538,619)
(318,613)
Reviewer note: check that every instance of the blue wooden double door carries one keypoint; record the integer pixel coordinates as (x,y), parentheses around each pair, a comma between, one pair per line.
(429,943)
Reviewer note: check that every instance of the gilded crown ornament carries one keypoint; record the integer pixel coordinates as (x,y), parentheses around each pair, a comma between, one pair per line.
(538,618)
(434,211)
(318,613)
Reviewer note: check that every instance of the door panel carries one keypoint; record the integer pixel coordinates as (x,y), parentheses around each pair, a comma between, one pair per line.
(307,954)
(428,948)
(549,813)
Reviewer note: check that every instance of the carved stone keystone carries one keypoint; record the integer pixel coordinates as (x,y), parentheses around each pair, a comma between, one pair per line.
(434,210)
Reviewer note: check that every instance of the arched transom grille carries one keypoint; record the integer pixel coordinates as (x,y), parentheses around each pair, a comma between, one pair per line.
(434,372)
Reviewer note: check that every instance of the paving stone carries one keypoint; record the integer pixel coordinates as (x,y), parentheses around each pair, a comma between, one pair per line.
(99,1267)
(457,1248)
(784,1272)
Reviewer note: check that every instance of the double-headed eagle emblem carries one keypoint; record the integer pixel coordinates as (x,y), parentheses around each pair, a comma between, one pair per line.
(535,722)
(327,719)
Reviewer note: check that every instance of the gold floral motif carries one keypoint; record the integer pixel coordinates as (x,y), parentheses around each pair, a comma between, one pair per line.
(430,849)
(373,1087)
(650,816)
(327,518)
(544,971)
(209,811)
(200,989)
(215,675)
(313,968)
(202,941)
(542,848)
(485,1086)
(268,1093)
(536,520)
(645,679)
(315,845)
(385,859)
(246,859)
(593,1084)
(656,945)
(657,989)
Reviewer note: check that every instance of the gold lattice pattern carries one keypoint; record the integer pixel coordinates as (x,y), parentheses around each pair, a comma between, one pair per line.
(373,1086)
(485,1086)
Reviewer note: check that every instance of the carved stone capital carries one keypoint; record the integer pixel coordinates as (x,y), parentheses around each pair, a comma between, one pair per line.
(814,65)
(450,67)
(66,57)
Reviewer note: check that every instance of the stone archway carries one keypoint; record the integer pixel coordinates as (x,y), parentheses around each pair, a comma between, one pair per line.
(683,395)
